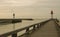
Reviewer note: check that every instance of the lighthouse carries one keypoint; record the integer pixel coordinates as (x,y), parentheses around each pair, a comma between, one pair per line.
(13,15)
(51,14)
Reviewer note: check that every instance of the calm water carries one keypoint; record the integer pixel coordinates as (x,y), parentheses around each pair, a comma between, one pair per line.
(9,27)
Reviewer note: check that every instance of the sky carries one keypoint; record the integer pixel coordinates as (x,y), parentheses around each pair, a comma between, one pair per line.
(29,8)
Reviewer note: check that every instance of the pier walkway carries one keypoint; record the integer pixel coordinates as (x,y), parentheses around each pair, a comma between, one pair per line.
(48,30)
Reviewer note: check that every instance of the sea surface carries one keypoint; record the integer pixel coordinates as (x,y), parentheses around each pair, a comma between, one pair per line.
(4,27)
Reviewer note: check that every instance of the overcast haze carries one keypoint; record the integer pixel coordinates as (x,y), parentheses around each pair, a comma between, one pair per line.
(29,8)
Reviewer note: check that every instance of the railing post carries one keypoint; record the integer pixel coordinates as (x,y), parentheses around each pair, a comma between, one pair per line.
(34,27)
(27,30)
(14,35)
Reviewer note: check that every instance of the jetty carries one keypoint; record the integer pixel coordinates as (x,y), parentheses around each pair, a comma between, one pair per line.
(13,20)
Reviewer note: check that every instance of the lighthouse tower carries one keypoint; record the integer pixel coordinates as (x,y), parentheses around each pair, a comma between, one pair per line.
(13,15)
(51,14)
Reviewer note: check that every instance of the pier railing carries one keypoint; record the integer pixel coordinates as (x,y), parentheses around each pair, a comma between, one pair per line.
(57,26)
(14,33)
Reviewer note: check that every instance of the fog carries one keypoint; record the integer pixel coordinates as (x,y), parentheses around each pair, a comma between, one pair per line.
(29,8)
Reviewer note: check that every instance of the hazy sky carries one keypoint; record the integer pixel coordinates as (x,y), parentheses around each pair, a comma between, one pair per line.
(29,8)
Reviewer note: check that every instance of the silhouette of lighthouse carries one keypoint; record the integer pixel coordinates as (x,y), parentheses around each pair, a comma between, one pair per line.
(13,15)
(51,14)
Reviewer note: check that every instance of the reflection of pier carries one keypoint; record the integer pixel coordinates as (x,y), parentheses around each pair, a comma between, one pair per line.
(48,28)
